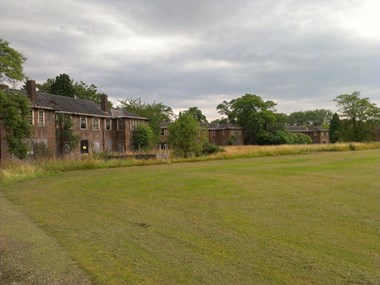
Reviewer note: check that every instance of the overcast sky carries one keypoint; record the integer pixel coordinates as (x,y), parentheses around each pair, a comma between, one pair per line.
(299,53)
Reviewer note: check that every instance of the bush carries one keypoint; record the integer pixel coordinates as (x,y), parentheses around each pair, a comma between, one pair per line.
(211,149)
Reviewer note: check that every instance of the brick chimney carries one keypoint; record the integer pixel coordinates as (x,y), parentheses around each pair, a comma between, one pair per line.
(31,89)
(104,102)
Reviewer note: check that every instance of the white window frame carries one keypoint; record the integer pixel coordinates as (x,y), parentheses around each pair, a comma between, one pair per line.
(39,122)
(95,123)
(110,124)
(119,125)
(80,122)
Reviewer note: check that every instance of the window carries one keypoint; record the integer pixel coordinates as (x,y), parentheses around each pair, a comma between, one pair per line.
(164,132)
(132,125)
(95,124)
(41,118)
(213,133)
(83,123)
(108,125)
(223,132)
(31,118)
(119,124)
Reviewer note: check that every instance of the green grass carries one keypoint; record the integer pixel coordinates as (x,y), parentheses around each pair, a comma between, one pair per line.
(302,219)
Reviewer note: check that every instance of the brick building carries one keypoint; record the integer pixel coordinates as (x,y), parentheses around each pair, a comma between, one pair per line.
(98,127)
(317,134)
(222,135)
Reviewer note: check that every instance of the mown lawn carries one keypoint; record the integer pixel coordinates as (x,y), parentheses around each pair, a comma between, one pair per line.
(305,219)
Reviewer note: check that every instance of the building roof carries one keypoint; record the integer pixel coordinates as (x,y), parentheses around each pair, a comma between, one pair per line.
(68,105)
(223,127)
(77,106)
(121,113)
(305,129)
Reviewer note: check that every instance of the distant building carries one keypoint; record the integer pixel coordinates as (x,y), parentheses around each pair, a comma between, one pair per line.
(317,134)
(218,134)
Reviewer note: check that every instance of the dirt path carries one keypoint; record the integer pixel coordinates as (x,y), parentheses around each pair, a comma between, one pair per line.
(29,256)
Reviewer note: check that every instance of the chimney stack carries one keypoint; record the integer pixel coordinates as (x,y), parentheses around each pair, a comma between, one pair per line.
(104,102)
(31,89)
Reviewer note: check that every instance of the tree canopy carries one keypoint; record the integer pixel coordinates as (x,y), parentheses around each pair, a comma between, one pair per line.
(65,86)
(253,114)
(11,63)
(186,137)
(142,137)
(197,114)
(156,113)
(360,116)
(310,118)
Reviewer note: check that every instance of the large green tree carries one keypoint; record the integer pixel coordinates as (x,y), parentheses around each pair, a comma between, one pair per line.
(310,118)
(156,113)
(11,63)
(335,128)
(197,114)
(14,107)
(66,86)
(360,116)
(255,115)
(142,137)
(63,85)
(186,136)
(14,118)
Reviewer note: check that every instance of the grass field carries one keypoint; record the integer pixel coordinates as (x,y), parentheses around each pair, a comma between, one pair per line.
(303,219)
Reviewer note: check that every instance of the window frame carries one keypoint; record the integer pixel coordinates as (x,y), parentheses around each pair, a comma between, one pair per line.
(39,123)
(97,125)
(110,124)
(119,125)
(85,121)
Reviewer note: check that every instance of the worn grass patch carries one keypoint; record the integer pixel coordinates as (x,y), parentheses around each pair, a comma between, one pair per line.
(305,219)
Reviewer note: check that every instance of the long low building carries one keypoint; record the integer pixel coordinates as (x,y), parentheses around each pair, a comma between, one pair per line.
(98,127)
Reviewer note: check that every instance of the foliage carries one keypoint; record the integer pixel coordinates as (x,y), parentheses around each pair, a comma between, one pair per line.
(186,137)
(63,85)
(233,140)
(361,116)
(253,114)
(156,113)
(211,149)
(41,151)
(14,115)
(67,140)
(221,121)
(197,114)
(311,118)
(142,137)
(335,128)
(11,63)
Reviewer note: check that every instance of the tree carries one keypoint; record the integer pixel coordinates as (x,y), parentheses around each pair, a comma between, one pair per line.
(197,114)
(63,85)
(186,137)
(311,118)
(67,140)
(11,63)
(335,128)
(142,137)
(14,107)
(254,114)
(360,116)
(156,113)
(14,117)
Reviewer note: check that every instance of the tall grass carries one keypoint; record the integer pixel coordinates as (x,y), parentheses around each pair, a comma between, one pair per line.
(21,170)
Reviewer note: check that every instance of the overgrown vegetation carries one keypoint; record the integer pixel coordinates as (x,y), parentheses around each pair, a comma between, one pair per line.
(15,119)
(21,170)
(307,219)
